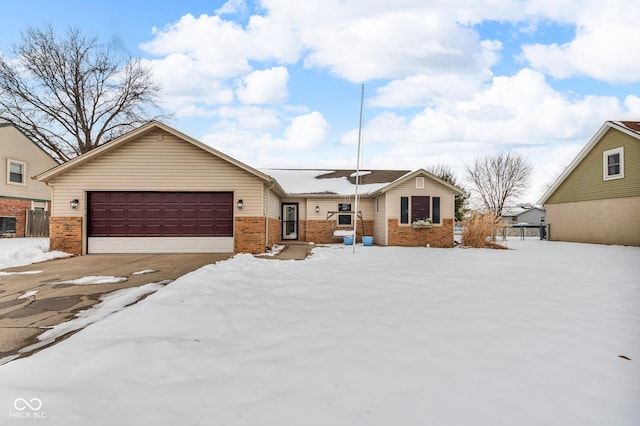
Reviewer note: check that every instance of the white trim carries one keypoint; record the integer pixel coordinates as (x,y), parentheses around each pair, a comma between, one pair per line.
(420,182)
(44,205)
(605,164)
(24,172)
(98,245)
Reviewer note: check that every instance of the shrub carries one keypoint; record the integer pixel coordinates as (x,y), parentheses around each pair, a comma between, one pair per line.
(479,229)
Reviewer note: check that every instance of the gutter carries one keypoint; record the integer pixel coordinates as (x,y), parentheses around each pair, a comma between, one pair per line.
(266,215)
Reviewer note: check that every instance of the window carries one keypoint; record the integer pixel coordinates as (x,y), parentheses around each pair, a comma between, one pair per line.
(344,219)
(7,225)
(435,217)
(404,209)
(613,164)
(419,183)
(419,208)
(16,171)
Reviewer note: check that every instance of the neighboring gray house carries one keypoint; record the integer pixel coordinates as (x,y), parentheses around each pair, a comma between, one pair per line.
(527,215)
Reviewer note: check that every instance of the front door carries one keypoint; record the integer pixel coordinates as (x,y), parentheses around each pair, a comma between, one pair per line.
(290,221)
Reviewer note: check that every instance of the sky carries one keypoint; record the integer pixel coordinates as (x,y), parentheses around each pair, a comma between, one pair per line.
(277,83)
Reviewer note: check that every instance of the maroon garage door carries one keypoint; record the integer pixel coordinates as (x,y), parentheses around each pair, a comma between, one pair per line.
(160,214)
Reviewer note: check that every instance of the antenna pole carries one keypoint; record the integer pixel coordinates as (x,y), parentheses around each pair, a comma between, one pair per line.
(355,214)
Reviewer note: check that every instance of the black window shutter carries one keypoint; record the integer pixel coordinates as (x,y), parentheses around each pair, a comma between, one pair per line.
(436,210)
(404,209)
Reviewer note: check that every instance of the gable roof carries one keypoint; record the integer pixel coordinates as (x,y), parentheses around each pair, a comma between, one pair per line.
(412,175)
(142,130)
(631,128)
(7,124)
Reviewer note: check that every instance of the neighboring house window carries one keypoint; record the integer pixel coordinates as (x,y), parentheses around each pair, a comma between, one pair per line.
(435,216)
(16,171)
(613,163)
(344,219)
(404,209)
(419,208)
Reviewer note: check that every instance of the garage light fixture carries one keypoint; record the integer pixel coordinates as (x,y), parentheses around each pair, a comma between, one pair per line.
(74,204)
(317,209)
(239,204)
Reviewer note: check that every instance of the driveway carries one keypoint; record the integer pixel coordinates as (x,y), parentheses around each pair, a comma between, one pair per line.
(31,301)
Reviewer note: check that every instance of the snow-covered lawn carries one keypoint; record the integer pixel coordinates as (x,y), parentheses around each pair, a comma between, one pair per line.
(24,251)
(385,336)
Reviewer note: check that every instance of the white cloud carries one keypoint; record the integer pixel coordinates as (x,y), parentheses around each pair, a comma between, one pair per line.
(600,49)
(232,7)
(236,136)
(264,86)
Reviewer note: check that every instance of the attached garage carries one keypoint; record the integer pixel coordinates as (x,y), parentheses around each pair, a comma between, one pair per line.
(156,190)
(145,221)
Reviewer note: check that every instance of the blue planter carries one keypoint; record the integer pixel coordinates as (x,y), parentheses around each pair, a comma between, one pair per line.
(348,240)
(367,241)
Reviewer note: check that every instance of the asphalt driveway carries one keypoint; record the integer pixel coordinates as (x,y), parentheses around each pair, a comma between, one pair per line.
(31,301)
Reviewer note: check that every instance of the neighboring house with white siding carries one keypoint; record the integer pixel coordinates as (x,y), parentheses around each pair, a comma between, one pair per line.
(158,190)
(21,158)
(597,198)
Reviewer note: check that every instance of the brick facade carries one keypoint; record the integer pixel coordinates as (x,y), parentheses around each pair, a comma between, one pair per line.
(275,231)
(249,235)
(65,234)
(16,208)
(437,236)
(321,231)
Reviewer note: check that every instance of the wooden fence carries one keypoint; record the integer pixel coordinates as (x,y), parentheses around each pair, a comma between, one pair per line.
(37,223)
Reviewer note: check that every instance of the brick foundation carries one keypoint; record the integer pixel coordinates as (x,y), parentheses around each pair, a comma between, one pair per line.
(65,234)
(321,231)
(18,209)
(249,235)
(437,236)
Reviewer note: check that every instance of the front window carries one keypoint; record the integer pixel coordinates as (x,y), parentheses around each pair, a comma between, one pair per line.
(344,219)
(613,164)
(16,171)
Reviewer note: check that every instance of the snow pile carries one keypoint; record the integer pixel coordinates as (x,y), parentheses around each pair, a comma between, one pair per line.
(25,251)
(109,303)
(385,336)
(92,280)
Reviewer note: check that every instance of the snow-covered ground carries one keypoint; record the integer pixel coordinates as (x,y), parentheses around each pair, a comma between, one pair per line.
(546,334)
(24,251)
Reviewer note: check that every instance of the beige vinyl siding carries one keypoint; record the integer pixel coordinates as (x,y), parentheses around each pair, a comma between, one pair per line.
(608,221)
(272,202)
(587,182)
(380,224)
(431,189)
(157,161)
(16,146)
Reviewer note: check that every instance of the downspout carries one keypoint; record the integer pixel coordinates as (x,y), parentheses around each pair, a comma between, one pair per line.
(266,216)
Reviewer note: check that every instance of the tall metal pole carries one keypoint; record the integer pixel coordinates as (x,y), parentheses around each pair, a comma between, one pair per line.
(355,215)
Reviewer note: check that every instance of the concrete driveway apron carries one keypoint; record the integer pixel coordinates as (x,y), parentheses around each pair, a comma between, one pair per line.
(23,316)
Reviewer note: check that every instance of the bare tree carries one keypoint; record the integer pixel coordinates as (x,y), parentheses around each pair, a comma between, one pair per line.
(499,178)
(445,173)
(72,94)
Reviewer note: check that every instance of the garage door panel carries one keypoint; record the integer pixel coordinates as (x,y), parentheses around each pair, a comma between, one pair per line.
(158,214)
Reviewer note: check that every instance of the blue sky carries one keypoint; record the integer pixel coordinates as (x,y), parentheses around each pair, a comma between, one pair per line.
(276,83)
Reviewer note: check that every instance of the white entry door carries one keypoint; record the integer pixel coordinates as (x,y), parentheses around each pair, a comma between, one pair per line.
(290,221)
